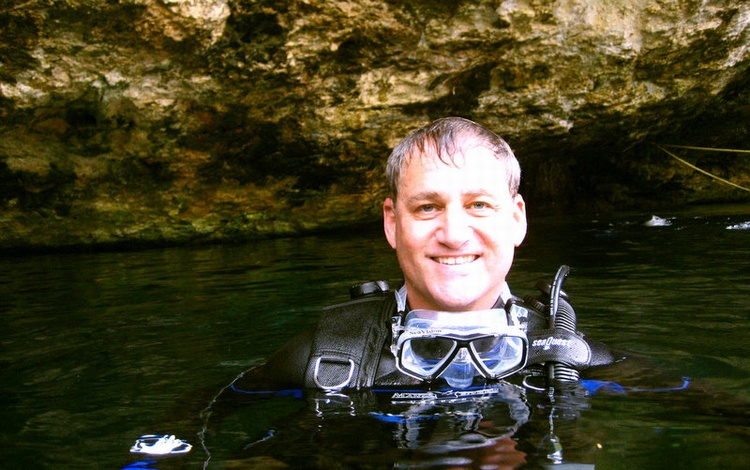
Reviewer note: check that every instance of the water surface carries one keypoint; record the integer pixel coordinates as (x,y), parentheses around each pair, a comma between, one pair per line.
(100,348)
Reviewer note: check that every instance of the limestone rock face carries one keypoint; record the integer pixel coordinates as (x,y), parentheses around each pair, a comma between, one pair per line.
(204,120)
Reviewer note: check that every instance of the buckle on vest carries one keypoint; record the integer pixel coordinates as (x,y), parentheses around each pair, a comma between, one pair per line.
(336,372)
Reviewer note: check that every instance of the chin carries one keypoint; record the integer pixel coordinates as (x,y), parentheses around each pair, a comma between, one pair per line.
(461,296)
(458,304)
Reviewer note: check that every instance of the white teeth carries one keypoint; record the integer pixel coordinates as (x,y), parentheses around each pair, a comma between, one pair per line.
(456,259)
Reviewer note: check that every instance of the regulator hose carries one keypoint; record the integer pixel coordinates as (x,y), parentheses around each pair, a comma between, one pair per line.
(561,317)
(554,300)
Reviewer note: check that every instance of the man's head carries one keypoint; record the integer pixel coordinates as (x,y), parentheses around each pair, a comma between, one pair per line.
(444,138)
(454,215)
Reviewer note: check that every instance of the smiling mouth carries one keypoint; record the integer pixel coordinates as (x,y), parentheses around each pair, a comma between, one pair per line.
(455,260)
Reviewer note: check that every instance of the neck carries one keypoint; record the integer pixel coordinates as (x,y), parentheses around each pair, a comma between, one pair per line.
(403,306)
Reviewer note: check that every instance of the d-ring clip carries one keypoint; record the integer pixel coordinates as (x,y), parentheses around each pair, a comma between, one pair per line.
(334,369)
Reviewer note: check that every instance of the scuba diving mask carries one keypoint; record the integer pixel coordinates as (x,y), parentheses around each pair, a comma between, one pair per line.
(457,346)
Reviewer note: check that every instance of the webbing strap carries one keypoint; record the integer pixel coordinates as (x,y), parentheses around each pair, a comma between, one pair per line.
(559,346)
(348,342)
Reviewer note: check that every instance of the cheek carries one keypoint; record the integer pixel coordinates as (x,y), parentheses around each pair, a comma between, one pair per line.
(415,235)
(511,228)
(502,234)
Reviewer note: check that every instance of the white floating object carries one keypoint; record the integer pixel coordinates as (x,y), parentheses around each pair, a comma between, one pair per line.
(742,226)
(153,444)
(657,221)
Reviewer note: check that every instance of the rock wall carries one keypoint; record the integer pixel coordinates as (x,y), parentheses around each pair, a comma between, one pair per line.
(166,121)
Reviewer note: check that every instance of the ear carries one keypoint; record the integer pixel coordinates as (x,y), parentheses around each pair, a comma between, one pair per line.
(389,221)
(519,216)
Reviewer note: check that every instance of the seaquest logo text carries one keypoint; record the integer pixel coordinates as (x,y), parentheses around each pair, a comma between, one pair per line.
(548,342)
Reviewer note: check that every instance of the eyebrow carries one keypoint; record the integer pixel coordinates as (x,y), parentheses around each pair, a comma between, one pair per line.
(424,195)
(480,193)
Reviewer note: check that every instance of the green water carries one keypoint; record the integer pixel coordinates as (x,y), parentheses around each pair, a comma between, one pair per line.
(100,348)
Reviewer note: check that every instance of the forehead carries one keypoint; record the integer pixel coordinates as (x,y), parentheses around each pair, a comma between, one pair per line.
(473,165)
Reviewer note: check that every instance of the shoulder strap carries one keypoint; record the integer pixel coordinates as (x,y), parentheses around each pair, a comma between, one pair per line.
(348,342)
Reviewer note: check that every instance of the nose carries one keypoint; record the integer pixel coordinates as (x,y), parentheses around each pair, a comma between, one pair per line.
(455,228)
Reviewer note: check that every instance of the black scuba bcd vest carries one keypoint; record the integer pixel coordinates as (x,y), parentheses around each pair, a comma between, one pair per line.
(352,337)
(348,342)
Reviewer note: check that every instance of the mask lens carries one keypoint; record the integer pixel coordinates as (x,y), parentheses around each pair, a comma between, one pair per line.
(488,344)
(432,349)
(499,353)
(426,355)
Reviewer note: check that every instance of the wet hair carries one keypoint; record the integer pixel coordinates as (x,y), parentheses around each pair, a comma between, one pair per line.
(447,137)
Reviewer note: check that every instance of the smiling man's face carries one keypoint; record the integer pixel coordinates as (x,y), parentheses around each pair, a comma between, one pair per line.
(455,229)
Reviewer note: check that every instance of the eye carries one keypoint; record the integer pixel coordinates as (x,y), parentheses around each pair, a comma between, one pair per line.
(424,208)
(480,206)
